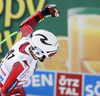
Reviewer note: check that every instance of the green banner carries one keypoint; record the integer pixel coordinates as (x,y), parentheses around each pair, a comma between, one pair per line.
(13,12)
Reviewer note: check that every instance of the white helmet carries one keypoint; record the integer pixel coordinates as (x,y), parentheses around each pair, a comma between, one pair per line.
(44,43)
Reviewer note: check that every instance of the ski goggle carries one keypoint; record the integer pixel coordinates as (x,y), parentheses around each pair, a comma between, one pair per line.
(38,53)
(41,55)
(52,54)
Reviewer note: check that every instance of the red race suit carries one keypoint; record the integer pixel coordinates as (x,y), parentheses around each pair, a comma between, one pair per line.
(19,65)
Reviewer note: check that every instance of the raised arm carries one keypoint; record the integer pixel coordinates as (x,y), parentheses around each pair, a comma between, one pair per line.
(27,25)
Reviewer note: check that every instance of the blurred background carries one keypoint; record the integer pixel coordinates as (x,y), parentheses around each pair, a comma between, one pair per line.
(75,69)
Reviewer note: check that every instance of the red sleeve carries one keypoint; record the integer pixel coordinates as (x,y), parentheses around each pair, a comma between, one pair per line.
(28,24)
(11,81)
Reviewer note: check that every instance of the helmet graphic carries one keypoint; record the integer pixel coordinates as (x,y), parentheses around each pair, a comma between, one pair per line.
(45,44)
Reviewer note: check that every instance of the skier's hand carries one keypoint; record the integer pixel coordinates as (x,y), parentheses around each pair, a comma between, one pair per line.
(52,10)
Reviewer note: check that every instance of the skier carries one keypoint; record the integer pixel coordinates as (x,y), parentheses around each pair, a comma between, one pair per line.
(21,60)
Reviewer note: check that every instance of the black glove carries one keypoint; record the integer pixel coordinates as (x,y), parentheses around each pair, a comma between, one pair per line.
(50,10)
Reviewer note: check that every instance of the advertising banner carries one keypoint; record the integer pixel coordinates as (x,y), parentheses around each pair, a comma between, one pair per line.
(53,83)
(75,69)
(77,30)
(91,85)
(69,84)
(41,83)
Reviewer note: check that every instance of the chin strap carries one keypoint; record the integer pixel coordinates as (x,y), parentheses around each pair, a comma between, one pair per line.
(8,37)
(40,59)
(32,54)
